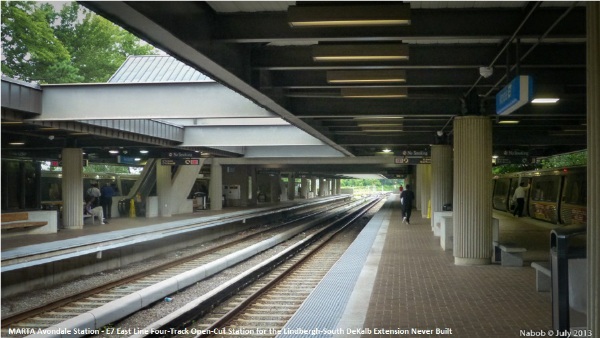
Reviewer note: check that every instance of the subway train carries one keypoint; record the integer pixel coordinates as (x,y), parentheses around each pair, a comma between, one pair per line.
(557,196)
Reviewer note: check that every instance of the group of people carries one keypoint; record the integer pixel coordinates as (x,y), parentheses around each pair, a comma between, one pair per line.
(407,197)
(98,202)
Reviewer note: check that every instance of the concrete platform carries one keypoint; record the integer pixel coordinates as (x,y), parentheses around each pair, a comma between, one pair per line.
(409,283)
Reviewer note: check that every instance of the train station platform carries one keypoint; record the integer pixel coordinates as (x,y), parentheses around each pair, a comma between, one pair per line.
(410,287)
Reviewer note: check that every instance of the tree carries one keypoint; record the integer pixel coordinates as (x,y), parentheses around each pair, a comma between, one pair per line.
(72,45)
(30,49)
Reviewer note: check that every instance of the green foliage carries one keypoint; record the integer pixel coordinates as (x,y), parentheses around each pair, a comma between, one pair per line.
(578,158)
(573,159)
(106,168)
(372,184)
(70,46)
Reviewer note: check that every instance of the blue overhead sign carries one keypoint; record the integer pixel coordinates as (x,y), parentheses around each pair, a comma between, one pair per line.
(515,95)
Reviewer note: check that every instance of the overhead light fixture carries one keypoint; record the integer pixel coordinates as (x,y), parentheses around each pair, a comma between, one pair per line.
(547,100)
(17,143)
(508,122)
(386,150)
(365,125)
(355,15)
(366,76)
(379,93)
(113,151)
(143,151)
(362,52)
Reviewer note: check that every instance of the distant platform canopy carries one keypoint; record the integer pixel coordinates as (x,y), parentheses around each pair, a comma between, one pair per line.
(156,68)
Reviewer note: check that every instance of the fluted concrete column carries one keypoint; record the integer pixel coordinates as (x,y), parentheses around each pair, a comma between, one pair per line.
(164,189)
(72,188)
(333,186)
(593,141)
(424,188)
(303,187)
(472,208)
(338,186)
(441,177)
(215,187)
(313,186)
(321,187)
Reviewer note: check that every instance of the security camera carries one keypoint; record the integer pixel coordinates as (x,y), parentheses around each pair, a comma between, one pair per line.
(486,71)
(440,133)
(51,137)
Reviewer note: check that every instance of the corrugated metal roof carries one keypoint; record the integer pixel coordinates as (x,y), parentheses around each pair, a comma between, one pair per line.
(156,68)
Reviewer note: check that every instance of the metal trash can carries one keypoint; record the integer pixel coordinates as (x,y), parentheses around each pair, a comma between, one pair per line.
(565,244)
(200,200)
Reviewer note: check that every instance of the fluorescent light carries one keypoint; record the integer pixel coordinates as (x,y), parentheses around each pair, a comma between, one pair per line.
(366,76)
(363,52)
(143,151)
(17,143)
(353,15)
(544,100)
(508,122)
(386,150)
(378,93)
(113,151)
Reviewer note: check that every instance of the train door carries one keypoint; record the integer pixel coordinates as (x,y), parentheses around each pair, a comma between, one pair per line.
(544,197)
(573,201)
(500,199)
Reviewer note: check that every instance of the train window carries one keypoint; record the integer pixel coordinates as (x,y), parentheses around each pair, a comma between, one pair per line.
(545,189)
(575,190)
(501,188)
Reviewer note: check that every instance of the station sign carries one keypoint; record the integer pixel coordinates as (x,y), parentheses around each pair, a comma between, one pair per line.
(180,161)
(511,160)
(514,95)
(128,160)
(180,154)
(413,157)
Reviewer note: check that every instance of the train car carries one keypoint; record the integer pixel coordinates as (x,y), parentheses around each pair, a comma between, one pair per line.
(557,196)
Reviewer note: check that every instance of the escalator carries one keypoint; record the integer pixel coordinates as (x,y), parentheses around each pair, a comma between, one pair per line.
(140,190)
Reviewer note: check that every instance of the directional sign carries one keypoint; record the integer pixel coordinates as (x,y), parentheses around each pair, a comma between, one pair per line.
(180,161)
(515,95)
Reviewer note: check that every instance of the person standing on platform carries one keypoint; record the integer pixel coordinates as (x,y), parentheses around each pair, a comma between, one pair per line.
(106,197)
(519,198)
(407,197)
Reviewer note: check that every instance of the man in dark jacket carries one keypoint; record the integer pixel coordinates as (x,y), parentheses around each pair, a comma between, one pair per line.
(407,197)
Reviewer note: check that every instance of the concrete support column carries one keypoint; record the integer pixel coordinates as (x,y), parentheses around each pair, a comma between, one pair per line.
(333,186)
(441,177)
(215,189)
(472,208)
(423,188)
(303,187)
(338,186)
(163,189)
(291,187)
(313,186)
(321,187)
(593,181)
(72,188)
(181,186)
(328,187)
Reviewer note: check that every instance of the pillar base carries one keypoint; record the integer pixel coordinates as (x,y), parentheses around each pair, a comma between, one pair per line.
(472,261)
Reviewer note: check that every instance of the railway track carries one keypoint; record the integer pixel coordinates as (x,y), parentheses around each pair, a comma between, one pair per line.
(91,300)
(260,301)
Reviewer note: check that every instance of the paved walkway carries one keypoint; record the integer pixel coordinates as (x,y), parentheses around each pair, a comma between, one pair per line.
(419,287)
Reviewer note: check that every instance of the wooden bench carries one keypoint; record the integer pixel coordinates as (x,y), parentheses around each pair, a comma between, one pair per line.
(510,254)
(543,275)
(19,220)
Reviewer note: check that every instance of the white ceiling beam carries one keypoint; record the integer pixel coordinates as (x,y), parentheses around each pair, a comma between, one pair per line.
(247,136)
(146,101)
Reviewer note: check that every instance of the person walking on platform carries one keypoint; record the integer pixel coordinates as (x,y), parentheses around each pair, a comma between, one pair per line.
(519,198)
(406,198)
(106,196)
